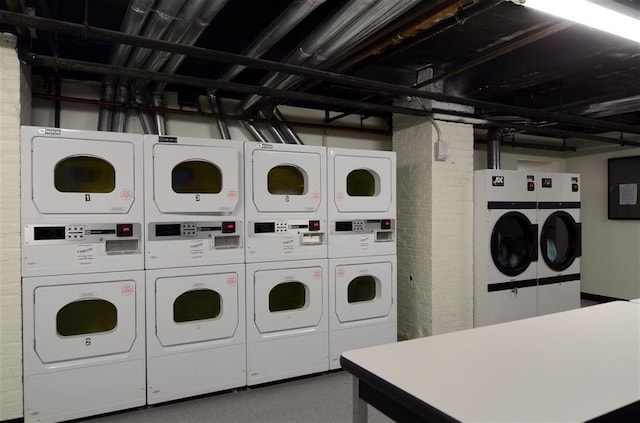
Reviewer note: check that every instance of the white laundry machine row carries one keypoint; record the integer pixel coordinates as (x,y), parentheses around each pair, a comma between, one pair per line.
(285,202)
(83,345)
(194,211)
(82,202)
(195,331)
(287,322)
(361,202)
(362,304)
(505,246)
(560,243)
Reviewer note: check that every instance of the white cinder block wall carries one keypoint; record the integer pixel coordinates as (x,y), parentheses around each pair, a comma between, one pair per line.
(435,221)
(13,87)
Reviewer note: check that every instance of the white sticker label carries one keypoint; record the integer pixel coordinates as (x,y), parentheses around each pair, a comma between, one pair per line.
(364,242)
(197,248)
(288,243)
(84,254)
(232,280)
(128,288)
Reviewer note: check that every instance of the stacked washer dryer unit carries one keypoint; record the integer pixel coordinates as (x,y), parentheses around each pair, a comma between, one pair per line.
(505,246)
(286,256)
(195,266)
(362,250)
(560,243)
(83,278)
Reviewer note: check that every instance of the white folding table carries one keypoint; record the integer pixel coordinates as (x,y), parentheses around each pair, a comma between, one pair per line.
(574,366)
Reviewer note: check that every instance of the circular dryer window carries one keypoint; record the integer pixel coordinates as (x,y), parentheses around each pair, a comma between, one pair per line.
(513,243)
(559,240)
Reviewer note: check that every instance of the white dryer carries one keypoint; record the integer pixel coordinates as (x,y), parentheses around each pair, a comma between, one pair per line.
(287,324)
(285,202)
(505,246)
(193,201)
(362,304)
(82,203)
(195,331)
(83,345)
(560,244)
(361,202)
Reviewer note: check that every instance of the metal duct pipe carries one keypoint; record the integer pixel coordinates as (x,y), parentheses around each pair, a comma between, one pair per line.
(108,93)
(216,107)
(190,37)
(366,24)
(250,127)
(158,102)
(281,26)
(314,41)
(288,132)
(146,119)
(132,23)
(178,32)
(494,137)
(164,15)
(119,123)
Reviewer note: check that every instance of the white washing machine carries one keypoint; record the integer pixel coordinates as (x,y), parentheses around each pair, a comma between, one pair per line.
(193,201)
(361,202)
(195,331)
(362,304)
(82,206)
(285,202)
(637,301)
(560,244)
(505,246)
(83,345)
(287,324)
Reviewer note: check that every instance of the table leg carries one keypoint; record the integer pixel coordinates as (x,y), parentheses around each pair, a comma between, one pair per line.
(359,406)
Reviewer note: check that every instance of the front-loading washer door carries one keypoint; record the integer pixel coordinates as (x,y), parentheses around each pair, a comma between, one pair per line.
(363,291)
(513,243)
(195,179)
(287,299)
(560,241)
(196,308)
(84,320)
(362,184)
(73,176)
(285,181)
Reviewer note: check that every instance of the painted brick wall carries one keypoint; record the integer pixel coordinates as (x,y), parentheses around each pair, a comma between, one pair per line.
(13,87)
(435,220)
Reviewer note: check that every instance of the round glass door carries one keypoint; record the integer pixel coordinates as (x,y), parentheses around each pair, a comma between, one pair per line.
(513,243)
(559,241)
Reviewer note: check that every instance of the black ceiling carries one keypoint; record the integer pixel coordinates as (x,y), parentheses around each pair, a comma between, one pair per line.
(491,51)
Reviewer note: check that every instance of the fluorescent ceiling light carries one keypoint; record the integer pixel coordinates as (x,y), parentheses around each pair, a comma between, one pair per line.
(591,14)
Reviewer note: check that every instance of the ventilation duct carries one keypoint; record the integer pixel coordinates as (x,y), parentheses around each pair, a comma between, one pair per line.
(132,23)
(494,137)
(281,26)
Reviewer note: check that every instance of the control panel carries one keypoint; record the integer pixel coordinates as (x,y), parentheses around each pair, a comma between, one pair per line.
(309,230)
(383,229)
(225,233)
(118,238)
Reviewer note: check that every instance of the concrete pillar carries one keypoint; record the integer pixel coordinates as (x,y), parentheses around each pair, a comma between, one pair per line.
(15,109)
(435,220)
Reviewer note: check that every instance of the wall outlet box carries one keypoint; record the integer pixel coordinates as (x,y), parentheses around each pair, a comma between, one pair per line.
(442,151)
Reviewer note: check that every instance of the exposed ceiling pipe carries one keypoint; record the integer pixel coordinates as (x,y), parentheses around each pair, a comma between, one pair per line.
(168,63)
(255,133)
(166,11)
(148,124)
(216,107)
(494,137)
(279,27)
(132,23)
(289,133)
(367,22)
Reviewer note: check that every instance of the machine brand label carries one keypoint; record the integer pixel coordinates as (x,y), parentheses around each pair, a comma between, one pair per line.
(167,139)
(87,294)
(288,243)
(547,182)
(364,242)
(127,288)
(197,285)
(497,181)
(265,146)
(363,271)
(47,131)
